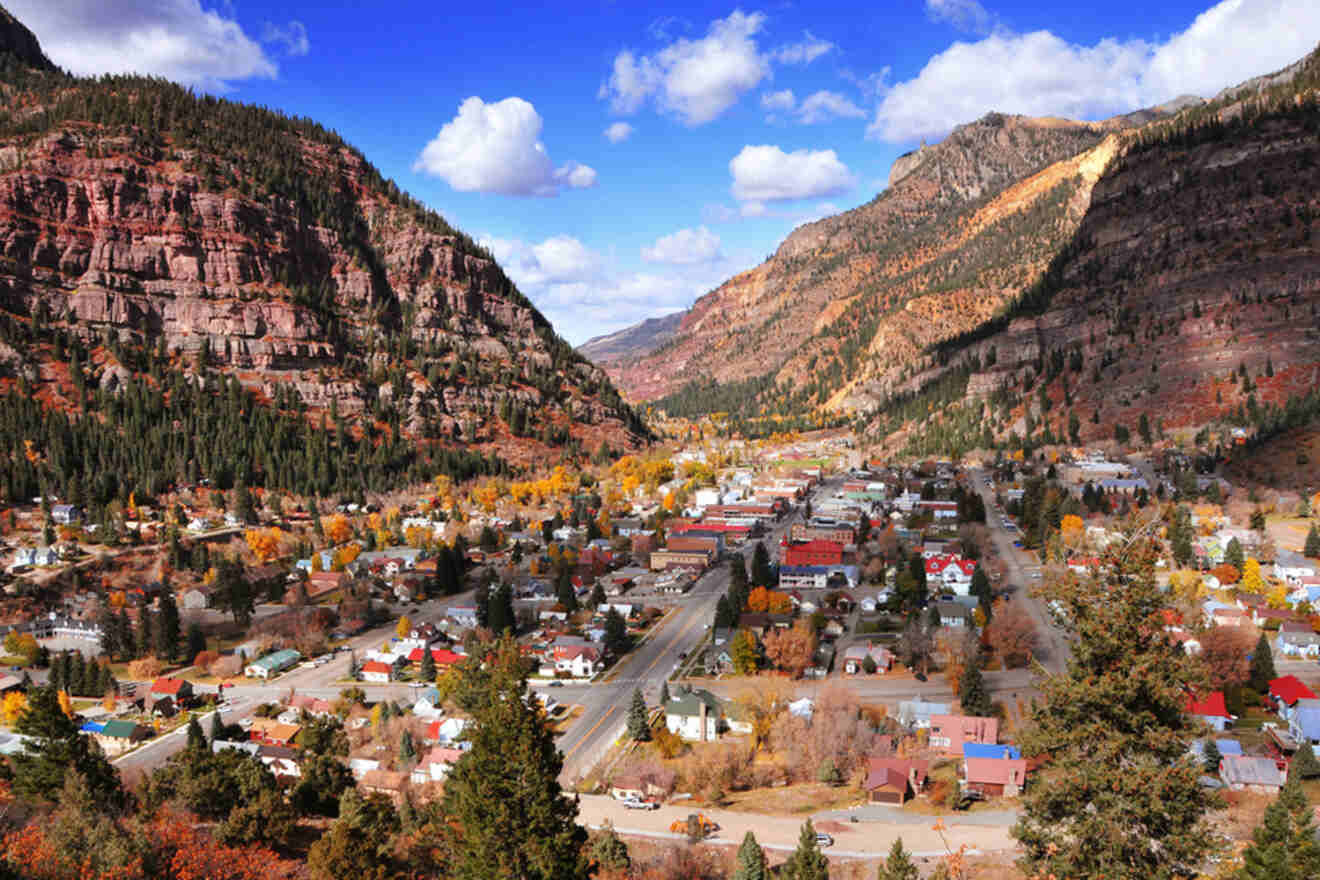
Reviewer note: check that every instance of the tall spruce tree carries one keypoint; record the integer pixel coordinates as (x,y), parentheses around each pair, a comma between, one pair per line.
(617,640)
(1234,555)
(1284,846)
(751,860)
(1304,764)
(428,665)
(1312,548)
(167,627)
(1212,757)
(510,817)
(899,865)
(639,728)
(196,641)
(1123,799)
(761,574)
(55,747)
(972,692)
(1262,666)
(196,739)
(807,861)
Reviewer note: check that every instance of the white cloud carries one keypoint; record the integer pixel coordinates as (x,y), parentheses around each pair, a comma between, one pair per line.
(783,101)
(696,80)
(576,289)
(686,247)
(966,15)
(824,106)
(495,148)
(292,37)
(618,132)
(1039,73)
(804,52)
(768,174)
(175,39)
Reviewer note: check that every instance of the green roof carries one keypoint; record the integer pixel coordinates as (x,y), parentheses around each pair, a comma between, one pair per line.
(120,729)
(278,659)
(689,703)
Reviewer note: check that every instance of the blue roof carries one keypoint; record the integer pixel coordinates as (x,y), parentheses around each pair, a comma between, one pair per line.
(1228,746)
(991,750)
(1308,720)
(92,727)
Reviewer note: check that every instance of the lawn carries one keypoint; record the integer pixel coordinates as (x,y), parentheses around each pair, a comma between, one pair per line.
(808,797)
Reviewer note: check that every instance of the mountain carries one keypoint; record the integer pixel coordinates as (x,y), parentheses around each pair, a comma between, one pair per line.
(636,340)
(19,47)
(153,239)
(1151,254)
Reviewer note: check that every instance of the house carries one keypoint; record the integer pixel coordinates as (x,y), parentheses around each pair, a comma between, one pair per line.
(953,614)
(446,732)
(918,713)
(1262,616)
(280,760)
(65,514)
(360,767)
(579,661)
(1229,616)
(854,658)
(117,737)
(1211,711)
(378,672)
(272,731)
(817,577)
(387,782)
(953,572)
(1259,775)
(1304,726)
(313,706)
(949,732)
(463,615)
(1291,567)
(633,787)
(1298,639)
(811,553)
(994,777)
(39,556)
(272,664)
(894,780)
(1285,691)
(435,766)
(195,598)
(693,714)
(177,689)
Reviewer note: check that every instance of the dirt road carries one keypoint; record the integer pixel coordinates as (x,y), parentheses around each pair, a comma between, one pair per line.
(866,839)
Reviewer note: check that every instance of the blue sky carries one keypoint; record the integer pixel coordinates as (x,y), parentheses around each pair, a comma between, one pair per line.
(623,158)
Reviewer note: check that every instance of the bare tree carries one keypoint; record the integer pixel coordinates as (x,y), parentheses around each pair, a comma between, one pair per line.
(1012,635)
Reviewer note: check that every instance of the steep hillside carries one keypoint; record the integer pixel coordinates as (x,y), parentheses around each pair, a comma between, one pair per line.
(935,245)
(150,236)
(632,342)
(19,47)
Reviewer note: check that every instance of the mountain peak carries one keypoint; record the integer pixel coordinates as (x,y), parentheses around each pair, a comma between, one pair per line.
(17,42)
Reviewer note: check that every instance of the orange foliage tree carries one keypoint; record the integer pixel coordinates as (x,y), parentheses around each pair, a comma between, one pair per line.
(761,599)
(337,528)
(265,544)
(792,649)
(1226,573)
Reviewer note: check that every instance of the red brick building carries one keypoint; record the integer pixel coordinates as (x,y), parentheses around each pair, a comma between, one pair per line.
(812,553)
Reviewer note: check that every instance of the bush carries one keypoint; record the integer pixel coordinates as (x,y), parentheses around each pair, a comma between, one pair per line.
(668,744)
(145,668)
(205,659)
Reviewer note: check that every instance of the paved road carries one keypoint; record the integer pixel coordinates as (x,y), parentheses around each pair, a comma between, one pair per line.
(646,668)
(1020,566)
(156,752)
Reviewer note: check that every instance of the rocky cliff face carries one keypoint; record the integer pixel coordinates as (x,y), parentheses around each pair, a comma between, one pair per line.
(289,262)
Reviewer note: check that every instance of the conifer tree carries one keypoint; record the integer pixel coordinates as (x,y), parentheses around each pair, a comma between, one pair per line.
(1233,554)
(1123,798)
(407,748)
(217,727)
(638,727)
(899,865)
(807,861)
(616,638)
(1212,756)
(664,693)
(751,860)
(167,627)
(608,850)
(1262,666)
(597,595)
(511,818)
(55,747)
(724,617)
(1312,548)
(1304,764)
(761,575)
(1284,846)
(196,641)
(196,739)
(972,692)
(428,665)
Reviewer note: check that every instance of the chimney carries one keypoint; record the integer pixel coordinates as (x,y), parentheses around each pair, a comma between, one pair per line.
(703,721)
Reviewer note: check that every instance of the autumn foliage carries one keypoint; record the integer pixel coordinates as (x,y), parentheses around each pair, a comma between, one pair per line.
(1226,573)
(762,600)
(265,544)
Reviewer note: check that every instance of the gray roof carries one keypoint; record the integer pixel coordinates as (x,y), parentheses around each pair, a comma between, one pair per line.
(1238,770)
(688,703)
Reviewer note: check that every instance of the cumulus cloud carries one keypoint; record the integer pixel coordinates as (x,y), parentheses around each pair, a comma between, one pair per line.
(783,101)
(696,80)
(576,289)
(618,132)
(496,148)
(686,247)
(804,52)
(1040,73)
(292,38)
(175,39)
(768,174)
(966,15)
(824,106)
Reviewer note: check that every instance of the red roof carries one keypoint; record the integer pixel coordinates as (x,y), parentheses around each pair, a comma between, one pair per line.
(996,771)
(441,656)
(1212,705)
(1290,690)
(376,666)
(170,686)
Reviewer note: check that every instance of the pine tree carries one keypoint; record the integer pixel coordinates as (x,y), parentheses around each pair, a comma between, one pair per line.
(217,727)
(609,851)
(428,665)
(724,617)
(597,595)
(972,692)
(761,574)
(55,747)
(1122,798)
(616,638)
(899,864)
(751,860)
(167,627)
(196,641)
(1262,666)
(1233,554)
(1304,764)
(1284,846)
(511,818)
(1212,757)
(196,739)
(146,641)
(737,571)
(1312,548)
(639,727)
(407,748)
(807,861)
(664,693)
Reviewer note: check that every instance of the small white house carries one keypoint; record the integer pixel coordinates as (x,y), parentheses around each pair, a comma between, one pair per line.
(693,714)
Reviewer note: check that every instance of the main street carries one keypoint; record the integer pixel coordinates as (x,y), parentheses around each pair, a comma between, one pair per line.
(606,703)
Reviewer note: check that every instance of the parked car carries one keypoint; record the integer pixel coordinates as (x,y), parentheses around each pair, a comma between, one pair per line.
(556,684)
(823,839)
(635,804)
